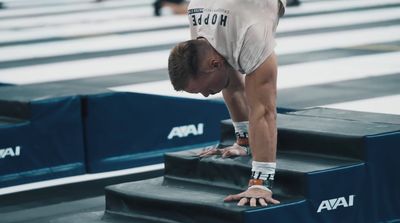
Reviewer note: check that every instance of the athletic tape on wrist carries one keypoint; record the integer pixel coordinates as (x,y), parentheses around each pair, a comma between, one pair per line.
(242,132)
(264,171)
(242,135)
(241,127)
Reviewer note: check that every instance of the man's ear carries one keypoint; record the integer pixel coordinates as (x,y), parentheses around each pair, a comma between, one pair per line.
(215,64)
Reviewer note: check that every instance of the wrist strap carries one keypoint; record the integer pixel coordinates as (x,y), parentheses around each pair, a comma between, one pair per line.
(242,135)
(242,132)
(257,183)
(263,174)
(241,126)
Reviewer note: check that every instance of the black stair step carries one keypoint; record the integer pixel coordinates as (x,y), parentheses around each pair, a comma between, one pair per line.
(320,135)
(234,172)
(177,201)
(16,101)
(349,115)
(10,121)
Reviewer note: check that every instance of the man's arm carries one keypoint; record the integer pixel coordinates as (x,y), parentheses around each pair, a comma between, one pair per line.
(234,97)
(260,89)
(235,100)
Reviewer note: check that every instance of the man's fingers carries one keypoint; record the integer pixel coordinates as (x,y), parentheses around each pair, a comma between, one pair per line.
(227,153)
(232,152)
(273,201)
(209,152)
(203,151)
(234,197)
(262,202)
(253,202)
(243,201)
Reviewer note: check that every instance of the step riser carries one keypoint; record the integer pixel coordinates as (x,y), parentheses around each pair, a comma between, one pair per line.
(228,176)
(383,176)
(294,212)
(194,170)
(137,207)
(326,202)
(316,143)
(332,145)
(338,195)
(15,109)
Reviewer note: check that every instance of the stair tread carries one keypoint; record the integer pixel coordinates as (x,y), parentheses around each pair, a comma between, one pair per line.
(288,161)
(321,135)
(331,126)
(180,192)
(307,163)
(36,92)
(10,121)
(349,115)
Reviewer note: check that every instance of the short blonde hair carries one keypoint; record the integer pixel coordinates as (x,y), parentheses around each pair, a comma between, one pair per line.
(183,63)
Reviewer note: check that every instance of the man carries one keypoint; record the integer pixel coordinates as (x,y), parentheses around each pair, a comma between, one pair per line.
(231,38)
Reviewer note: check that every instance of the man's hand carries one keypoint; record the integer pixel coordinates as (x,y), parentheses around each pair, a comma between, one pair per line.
(234,150)
(252,196)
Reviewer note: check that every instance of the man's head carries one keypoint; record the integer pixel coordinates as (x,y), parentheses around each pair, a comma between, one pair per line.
(196,67)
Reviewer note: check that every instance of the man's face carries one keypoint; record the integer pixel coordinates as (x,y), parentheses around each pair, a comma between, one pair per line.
(208,83)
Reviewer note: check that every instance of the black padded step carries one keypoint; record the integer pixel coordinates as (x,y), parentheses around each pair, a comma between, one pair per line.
(15,101)
(10,121)
(42,135)
(320,135)
(234,172)
(168,200)
(193,188)
(349,115)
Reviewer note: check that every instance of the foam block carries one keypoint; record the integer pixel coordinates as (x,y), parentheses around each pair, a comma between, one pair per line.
(315,181)
(131,129)
(193,189)
(348,115)
(49,135)
(372,138)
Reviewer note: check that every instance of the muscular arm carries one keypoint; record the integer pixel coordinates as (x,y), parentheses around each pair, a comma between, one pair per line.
(235,100)
(260,88)
(234,97)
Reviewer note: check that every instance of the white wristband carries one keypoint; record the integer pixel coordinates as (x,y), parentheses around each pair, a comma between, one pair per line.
(263,170)
(241,127)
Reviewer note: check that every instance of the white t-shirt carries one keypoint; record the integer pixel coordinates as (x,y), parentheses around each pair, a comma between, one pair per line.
(242,31)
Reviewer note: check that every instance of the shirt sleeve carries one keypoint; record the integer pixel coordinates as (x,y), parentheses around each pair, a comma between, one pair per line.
(258,44)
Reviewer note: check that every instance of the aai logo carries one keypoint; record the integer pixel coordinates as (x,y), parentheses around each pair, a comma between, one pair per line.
(186,130)
(10,152)
(334,203)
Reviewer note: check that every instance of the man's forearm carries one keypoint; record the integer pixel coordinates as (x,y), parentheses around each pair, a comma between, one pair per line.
(263,134)
(261,96)
(235,98)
